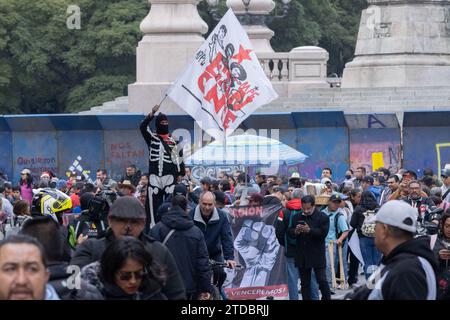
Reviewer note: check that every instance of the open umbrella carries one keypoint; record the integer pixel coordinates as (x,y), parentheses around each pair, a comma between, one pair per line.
(247,150)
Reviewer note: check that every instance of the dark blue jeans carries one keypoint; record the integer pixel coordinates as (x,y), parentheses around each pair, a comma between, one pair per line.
(370,254)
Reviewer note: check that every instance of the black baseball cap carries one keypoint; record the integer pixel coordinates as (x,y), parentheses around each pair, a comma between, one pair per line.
(180,189)
(336,198)
(368,179)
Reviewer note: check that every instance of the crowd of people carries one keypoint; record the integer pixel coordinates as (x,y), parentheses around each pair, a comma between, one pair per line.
(402,225)
(162,234)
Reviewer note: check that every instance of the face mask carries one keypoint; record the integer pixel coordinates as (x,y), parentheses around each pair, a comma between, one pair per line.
(348,177)
(161,128)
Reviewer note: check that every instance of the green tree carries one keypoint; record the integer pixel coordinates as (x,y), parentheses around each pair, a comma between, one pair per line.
(48,68)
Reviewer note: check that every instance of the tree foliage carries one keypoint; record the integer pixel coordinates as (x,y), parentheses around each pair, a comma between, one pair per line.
(46,67)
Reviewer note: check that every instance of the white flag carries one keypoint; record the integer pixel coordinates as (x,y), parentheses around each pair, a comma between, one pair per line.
(225,83)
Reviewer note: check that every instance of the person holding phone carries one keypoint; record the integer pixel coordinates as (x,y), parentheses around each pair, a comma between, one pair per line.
(310,230)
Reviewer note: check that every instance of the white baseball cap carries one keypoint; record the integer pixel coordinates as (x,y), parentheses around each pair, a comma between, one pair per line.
(399,214)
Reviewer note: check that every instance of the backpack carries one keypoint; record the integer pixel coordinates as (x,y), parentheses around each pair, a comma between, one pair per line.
(336,224)
(368,226)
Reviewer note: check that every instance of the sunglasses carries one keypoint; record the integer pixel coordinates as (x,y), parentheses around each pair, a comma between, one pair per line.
(126,276)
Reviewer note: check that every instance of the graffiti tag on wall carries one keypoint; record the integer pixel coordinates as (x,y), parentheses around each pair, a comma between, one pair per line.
(361,155)
(125,151)
(37,165)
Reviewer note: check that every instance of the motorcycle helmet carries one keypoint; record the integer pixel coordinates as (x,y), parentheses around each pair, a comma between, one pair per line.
(51,202)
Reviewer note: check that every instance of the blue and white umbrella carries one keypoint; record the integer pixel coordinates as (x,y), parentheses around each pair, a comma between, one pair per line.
(248,150)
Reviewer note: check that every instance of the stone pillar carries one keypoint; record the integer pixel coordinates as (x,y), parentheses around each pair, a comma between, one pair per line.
(307,68)
(258,32)
(402,43)
(172,34)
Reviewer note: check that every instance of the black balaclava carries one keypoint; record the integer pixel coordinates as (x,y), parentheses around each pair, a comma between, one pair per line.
(160,128)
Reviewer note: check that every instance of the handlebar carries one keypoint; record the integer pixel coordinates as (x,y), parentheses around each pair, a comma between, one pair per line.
(217,264)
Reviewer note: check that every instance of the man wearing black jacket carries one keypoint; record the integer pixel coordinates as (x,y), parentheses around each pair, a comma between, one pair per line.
(177,230)
(127,218)
(408,267)
(310,229)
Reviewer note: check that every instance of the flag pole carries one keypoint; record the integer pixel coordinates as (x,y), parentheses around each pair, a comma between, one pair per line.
(224,147)
(165,97)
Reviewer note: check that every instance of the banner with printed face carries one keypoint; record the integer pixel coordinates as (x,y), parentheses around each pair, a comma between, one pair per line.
(258,251)
(225,83)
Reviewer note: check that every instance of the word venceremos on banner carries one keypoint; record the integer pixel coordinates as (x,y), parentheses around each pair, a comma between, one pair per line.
(258,250)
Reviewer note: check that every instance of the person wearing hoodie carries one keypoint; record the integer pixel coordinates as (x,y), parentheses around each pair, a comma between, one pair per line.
(165,163)
(408,267)
(178,232)
(370,254)
(284,222)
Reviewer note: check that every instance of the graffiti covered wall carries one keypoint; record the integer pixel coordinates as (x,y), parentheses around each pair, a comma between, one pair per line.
(426,147)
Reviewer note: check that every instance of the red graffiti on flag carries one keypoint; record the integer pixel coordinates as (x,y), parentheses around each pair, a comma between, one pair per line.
(225,85)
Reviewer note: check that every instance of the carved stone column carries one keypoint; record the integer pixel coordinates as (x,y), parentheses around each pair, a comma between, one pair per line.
(402,43)
(172,34)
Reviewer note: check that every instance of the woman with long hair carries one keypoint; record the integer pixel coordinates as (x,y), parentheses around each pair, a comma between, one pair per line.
(370,253)
(26,185)
(126,271)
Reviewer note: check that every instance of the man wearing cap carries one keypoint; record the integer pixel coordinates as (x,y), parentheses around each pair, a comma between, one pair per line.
(338,230)
(407,270)
(165,163)
(26,185)
(127,218)
(445,174)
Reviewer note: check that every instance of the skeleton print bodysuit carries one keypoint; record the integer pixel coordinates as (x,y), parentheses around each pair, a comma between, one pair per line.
(165,164)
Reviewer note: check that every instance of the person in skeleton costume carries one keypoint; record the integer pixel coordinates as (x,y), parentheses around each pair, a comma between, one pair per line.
(165,163)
